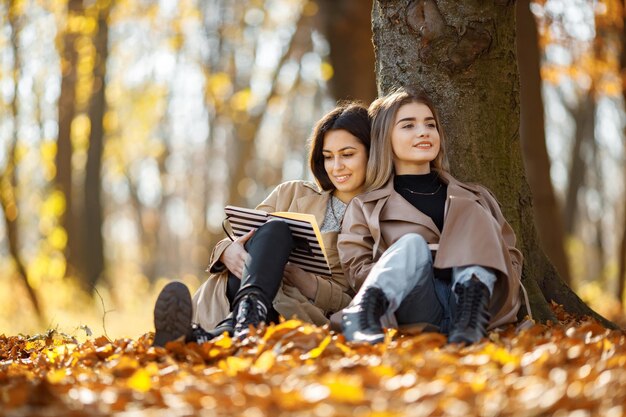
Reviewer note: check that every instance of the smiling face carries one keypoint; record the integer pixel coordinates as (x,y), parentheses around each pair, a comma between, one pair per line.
(345,161)
(414,139)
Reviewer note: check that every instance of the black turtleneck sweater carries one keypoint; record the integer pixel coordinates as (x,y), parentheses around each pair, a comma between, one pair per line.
(425,192)
(431,204)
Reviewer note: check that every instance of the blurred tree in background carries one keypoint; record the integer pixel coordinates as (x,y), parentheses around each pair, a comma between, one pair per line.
(126,125)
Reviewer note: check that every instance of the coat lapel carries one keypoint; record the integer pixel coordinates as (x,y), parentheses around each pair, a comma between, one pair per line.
(458,189)
(399,209)
(314,205)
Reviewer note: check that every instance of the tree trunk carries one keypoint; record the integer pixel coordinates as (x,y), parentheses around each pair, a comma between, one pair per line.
(94,245)
(8,179)
(621,277)
(463,55)
(66,112)
(547,216)
(584,118)
(345,24)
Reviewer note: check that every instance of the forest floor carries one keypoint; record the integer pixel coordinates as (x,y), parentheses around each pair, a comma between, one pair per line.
(571,368)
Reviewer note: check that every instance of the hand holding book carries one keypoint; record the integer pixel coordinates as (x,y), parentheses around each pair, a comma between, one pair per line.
(309,253)
(235,255)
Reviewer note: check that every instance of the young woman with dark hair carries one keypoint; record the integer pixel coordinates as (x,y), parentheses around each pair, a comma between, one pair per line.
(251,281)
(419,245)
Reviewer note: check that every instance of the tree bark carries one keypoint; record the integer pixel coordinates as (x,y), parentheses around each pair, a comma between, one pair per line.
(94,245)
(66,113)
(584,118)
(463,55)
(547,216)
(345,24)
(621,274)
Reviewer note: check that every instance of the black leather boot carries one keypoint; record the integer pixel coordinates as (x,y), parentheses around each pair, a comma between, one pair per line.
(172,314)
(472,312)
(199,335)
(361,322)
(249,311)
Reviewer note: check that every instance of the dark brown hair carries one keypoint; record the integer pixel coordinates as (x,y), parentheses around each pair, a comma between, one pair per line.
(351,117)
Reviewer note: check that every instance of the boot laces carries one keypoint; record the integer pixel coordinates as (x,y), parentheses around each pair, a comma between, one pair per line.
(470,302)
(374,304)
(250,311)
(199,335)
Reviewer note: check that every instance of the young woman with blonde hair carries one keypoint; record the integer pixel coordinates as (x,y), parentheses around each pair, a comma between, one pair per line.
(421,246)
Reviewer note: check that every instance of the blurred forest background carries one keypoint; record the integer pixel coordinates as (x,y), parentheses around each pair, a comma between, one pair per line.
(127,125)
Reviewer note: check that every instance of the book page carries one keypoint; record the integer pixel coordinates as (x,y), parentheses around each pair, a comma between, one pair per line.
(309,218)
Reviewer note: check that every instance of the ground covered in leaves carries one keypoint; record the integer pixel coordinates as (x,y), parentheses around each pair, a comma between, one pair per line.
(574,368)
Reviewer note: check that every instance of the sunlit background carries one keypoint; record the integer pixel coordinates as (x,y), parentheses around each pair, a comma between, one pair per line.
(126,125)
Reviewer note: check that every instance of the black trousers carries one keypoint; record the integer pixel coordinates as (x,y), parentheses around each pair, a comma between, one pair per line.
(268,251)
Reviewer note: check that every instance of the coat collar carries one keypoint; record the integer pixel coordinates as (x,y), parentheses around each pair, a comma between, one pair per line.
(387,196)
(456,188)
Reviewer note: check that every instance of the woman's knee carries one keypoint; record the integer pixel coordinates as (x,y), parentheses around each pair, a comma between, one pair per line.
(414,242)
(275,230)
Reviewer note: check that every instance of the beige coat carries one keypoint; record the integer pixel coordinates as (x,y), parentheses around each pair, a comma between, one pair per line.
(474,233)
(210,302)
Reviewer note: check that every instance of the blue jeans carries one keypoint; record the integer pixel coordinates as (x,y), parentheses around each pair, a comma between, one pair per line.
(406,276)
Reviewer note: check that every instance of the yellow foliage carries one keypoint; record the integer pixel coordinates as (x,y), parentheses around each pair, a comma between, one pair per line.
(219,85)
(125,362)
(500,355)
(327,71)
(612,87)
(56,376)
(80,24)
(17,7)
(316,352)
(140,381)
(232,365)
(241,100)
(48,150)
(20,152)
(54,205)
(58,238)
(59,352)
(81,127)
(345,388)
(224,342)
(265,362)
(287,324)
(110,121)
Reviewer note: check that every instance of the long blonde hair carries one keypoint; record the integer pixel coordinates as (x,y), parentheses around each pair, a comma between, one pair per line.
(383,112)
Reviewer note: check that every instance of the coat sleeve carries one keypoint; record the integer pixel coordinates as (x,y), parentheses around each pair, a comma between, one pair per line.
(215,265)
(508,235)
(330,295)
(356,245)
(273,201)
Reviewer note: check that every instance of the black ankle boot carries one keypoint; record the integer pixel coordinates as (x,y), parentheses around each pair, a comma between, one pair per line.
(249,311)
(472,313)
(172,314)
(361,322)
(199,335)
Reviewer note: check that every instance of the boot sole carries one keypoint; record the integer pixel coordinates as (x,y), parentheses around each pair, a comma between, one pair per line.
(172,314)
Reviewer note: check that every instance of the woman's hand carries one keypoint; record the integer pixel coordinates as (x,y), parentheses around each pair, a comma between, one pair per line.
(235,255)
(304,281)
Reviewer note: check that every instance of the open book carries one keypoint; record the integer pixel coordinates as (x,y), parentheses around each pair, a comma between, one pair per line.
(309,253)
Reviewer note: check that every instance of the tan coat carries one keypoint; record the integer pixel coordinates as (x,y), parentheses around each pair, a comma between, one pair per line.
(474,233)
(210,302)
